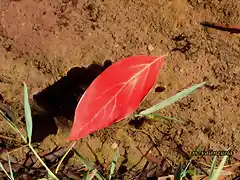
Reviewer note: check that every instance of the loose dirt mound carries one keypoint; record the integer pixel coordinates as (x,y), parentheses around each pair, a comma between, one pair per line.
(41,40)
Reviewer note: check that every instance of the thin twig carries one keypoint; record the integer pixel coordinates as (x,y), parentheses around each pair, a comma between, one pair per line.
(64,156)
(16,149)
(231,29)
(9,138)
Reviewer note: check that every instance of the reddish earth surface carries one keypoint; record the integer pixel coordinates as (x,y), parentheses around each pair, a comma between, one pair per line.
(59,46)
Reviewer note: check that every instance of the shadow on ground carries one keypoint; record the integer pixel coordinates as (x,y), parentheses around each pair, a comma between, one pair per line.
(61,98)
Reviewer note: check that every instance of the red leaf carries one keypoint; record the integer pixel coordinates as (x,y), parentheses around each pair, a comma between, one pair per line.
(114,94)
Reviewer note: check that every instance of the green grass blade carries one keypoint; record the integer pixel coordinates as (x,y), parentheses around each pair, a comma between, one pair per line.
(213,167)
(219,169)
(10,167)
(28,116)
(190,172)
(4,170)
(185,172)
(64,156)
(114,162)
(178,173)
(88,164)
(194,174)
(93,174)
(50,173)
(171,100)
(13,126)
(84,161)
(156,116)
(85,175)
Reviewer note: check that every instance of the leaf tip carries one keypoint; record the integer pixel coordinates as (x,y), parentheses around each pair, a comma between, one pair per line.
(72,137)
(69,138)
(24,84)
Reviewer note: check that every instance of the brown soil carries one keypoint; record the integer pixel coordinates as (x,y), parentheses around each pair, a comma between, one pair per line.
(41,40)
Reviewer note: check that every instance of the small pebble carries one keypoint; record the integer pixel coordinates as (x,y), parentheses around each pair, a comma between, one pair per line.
(150,48)
(114,146)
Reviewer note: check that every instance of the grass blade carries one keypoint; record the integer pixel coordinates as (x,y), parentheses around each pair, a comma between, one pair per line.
(158,116)
(185,172)
(4,170)
(85,175)
(171,100)
(64,156)
(13,126)
(10,167)
(84,161)
(28,116)
(93,174)
(88,164)
(213,167)
(50,173)
(219,169)
(114,162)
(178,173)
(194,174)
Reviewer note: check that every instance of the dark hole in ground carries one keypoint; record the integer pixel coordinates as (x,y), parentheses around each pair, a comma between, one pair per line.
(122,169)
(180,37)
(138,122)
(182,43)
(160,89)
(61,98)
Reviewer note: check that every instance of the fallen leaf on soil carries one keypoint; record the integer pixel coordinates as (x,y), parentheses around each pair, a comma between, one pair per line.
(114,94)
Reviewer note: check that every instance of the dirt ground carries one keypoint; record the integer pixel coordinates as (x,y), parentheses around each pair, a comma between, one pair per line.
(59,46)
